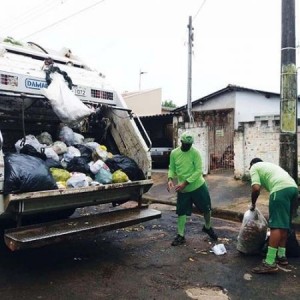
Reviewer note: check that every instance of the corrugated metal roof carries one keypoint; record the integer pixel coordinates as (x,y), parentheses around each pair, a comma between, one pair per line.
(159,116)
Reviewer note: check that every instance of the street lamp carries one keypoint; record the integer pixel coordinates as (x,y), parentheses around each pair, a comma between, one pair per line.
(141,73)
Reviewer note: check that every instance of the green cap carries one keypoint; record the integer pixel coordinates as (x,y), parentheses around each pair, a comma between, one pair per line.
(187,138)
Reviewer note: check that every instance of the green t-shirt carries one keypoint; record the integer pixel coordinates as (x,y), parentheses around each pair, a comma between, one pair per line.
(272,177)
(186,166)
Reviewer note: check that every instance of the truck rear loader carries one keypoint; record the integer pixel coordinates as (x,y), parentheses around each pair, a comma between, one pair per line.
(26,71)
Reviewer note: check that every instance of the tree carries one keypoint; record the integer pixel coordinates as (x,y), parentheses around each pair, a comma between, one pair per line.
(169,103)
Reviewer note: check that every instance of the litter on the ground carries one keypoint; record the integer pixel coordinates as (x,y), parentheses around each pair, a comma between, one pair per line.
(219,249)
(247,276)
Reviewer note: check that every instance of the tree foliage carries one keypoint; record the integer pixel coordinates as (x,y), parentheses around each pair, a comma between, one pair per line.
(168,103)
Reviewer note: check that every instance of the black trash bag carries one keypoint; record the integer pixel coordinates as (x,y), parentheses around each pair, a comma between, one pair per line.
(25,173)
(51,163)
(292,245)
(127,165)
(79,164)
(30,150)
(84,151)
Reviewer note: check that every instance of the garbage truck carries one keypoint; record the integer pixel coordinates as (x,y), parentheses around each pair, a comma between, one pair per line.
(43,90)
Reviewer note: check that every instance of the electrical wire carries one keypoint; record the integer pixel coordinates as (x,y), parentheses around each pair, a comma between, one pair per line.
(200,8)
(25,14)
(29,15)
(63,19)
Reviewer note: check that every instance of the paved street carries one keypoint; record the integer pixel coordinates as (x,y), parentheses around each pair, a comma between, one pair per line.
(139,263)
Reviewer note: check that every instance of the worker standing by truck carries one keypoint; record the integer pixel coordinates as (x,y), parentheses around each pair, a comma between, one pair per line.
(186,165)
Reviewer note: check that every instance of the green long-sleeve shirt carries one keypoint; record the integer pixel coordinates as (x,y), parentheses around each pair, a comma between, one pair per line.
(186,166)
(272,177)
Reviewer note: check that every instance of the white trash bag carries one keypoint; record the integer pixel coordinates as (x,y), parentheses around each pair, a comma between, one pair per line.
(77,180)
(219,249)
(30,140)
(65,104)
(253,232)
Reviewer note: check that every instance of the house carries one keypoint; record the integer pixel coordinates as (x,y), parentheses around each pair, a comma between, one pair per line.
(247,104)
(219,122)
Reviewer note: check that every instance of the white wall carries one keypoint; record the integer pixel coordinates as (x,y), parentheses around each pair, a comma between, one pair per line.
(258,139)
(144,103)
(223,101)
(200,142)
(250,105)
(247,105)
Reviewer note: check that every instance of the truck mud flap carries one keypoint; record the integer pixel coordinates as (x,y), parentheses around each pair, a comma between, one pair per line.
(39,235)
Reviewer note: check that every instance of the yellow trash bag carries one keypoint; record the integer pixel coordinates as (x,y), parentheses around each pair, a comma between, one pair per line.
(60,174)
(119,176)
(103,147)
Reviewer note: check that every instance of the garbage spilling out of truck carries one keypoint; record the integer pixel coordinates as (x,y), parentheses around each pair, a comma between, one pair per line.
(70,162)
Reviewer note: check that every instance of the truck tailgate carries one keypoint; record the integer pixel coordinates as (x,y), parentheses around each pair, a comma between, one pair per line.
(53,232)
(54,200)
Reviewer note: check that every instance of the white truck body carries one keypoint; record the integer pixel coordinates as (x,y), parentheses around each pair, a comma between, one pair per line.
(23,108)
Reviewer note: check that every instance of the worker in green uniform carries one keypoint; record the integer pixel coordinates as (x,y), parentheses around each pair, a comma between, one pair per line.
(186,166)
(283,191)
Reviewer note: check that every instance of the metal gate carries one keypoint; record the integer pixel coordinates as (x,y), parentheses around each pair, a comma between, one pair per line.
(220,147)
(215,144)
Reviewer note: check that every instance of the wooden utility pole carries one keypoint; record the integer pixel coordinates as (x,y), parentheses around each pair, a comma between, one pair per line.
(288,158)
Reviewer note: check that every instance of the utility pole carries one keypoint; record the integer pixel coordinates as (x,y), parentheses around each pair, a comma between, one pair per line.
(140,79)
(288,158)
(189,83)
(288,91)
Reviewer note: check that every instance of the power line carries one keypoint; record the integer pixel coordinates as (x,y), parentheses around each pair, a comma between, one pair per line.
(29,14)
(63,19)
(200,8)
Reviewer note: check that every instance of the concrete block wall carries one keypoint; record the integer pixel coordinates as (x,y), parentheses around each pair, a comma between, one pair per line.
(255,139)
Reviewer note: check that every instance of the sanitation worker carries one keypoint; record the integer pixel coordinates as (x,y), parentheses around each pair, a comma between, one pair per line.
(283,191)
(186,166)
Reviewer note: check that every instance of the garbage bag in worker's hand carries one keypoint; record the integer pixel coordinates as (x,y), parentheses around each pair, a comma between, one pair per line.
(253,232)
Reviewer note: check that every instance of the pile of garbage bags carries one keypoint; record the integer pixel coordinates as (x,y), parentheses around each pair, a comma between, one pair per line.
(71,162)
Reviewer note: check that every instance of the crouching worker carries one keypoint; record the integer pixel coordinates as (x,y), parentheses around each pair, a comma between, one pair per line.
(283,191)
(186,166)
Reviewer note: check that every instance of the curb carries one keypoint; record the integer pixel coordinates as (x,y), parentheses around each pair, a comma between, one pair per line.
(216,212)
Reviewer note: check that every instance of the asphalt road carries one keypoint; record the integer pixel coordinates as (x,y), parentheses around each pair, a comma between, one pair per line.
(139,263)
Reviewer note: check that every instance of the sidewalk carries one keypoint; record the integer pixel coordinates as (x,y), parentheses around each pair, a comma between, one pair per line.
(230,197)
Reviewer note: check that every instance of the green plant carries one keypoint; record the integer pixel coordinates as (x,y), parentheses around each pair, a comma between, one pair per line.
(11,40)
(168,103)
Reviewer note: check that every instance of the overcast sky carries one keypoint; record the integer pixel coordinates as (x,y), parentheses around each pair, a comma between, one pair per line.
(236,41)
